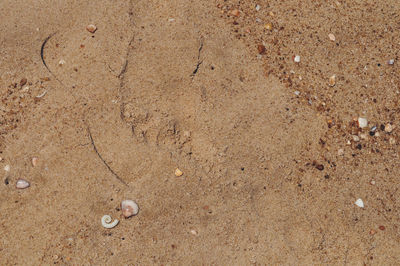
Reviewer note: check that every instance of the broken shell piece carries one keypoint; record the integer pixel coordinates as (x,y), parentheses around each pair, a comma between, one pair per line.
(41,95)
(21,184)
(296,59)
(61,62)
(178,172)
(359,203)
(129,208)
(7,168)
(331,37)
(34,161)
(332,80)
(91,28)
(362,122)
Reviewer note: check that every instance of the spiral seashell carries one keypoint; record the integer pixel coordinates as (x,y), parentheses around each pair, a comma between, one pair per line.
(106,222)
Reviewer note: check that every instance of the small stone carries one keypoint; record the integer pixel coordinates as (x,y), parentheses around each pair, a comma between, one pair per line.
(61,62)
(391,62)
(372,182)
(392,141)
(21,184)
(193,232)
(268,26)
(363,136)
(359,203)
(235,12)
(297,93)
(35,161)
(261,49)
(381,227)
(297,59)
(332,80)
(178,172)
(271,14)
(372,232)
(362,122)
(340,152)
(91,28)
(258,7)
(331,37)
(23,82)
(356,138)
(319,167)
(7,168)
(388,128)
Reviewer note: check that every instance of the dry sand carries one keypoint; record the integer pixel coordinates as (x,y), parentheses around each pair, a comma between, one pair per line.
(272,156)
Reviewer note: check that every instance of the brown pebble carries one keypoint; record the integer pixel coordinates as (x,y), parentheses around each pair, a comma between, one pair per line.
(319,167)
(235,12)
(261,49)
(332,80)
(372,232)
(91,28)
(23,82)
(268,26)
(381,227)
(331,37)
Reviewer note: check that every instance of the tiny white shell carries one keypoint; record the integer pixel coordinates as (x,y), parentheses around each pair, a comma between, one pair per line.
(106,222)
(7,168)
(297,59)
(362,122)
(21,184)
(129,208)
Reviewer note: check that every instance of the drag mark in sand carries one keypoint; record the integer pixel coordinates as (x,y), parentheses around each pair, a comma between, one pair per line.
(42,55)
(101,158)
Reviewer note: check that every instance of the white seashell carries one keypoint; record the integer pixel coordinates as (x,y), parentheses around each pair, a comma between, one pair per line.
(7,168)
(297,59)
(129,208)
(34,161)
(359,203)
(21,184)
(106,222)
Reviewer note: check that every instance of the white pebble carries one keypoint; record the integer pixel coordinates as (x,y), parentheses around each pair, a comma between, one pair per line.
(106,222)
(61,62)
(258,7)
(193,232)
(331,37)
(340,152)
(391,62)
(359,203)
(297,59)
(21,184)
(7,168)
(362,122)
(297,93)
(388,128)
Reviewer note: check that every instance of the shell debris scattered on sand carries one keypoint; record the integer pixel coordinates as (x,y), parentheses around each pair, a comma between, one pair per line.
(91,28)
(178,172)
(22,183)
(129,208)
(106,222)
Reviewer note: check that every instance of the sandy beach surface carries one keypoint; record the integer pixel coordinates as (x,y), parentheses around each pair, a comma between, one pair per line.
(282,118)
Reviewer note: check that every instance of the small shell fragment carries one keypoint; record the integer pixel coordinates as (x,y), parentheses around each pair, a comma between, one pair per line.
(331,37)
(268,26)
(235,12)
(35,161)
(7,168)
(129,208)
(296,59)
(258,7)
(21,184)
(61,62)
(332,80)
(362,122)
(391,62)
(91,28)
(178,172)
(359,203)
